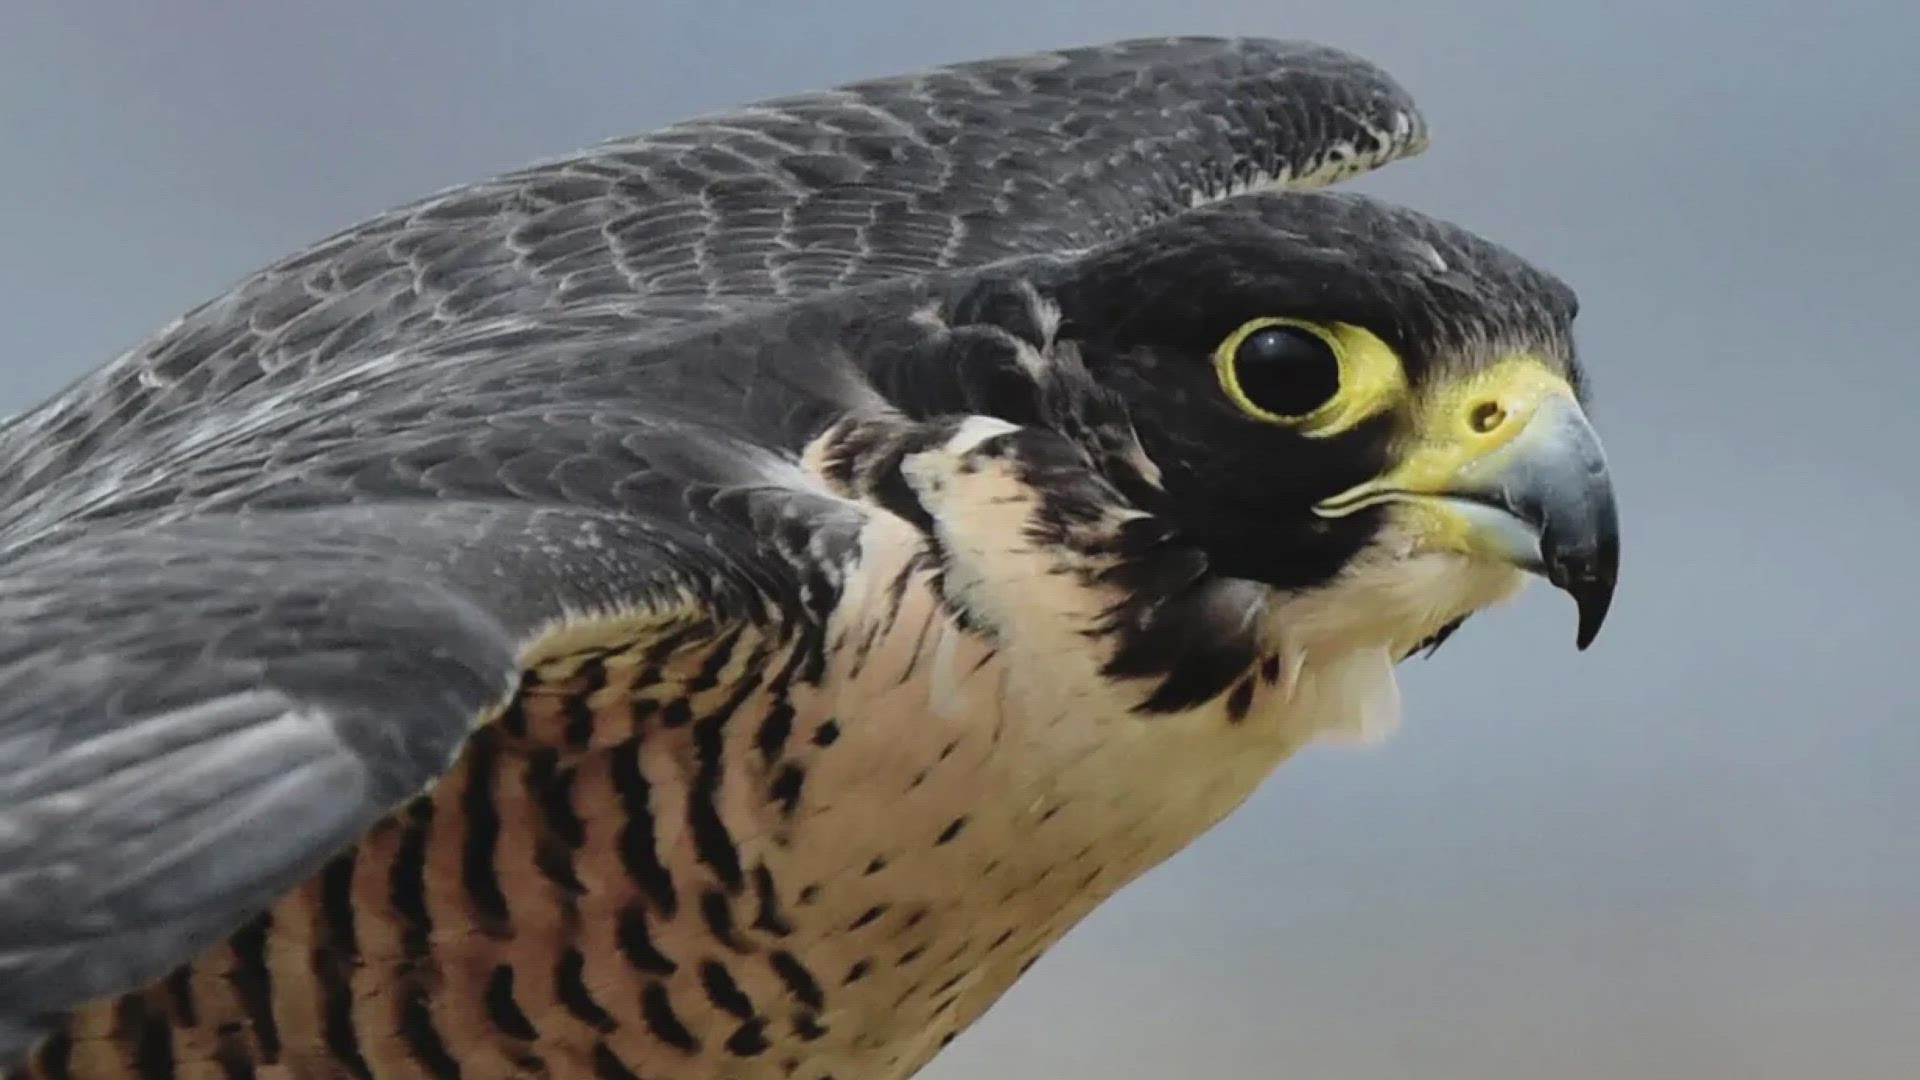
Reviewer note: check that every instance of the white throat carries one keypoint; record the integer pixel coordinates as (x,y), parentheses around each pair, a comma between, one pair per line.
(1342,641)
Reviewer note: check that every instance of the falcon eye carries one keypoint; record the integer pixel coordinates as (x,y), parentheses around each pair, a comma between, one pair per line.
(1278,370)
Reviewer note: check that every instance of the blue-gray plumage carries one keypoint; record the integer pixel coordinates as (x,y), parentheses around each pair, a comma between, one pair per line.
(556,625)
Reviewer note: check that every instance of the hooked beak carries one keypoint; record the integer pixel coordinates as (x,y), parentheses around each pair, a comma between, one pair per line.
(1510,469)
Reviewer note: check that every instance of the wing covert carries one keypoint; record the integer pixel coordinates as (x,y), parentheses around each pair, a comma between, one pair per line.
(954,167)
(195,715)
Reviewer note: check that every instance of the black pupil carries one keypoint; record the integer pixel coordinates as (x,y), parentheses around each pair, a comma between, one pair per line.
(1286,370)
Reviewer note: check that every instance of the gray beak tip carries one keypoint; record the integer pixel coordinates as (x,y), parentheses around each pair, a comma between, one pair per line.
(1557,481)
(1588,574)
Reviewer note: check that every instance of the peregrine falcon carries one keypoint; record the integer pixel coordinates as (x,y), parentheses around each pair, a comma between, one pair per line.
(721,604)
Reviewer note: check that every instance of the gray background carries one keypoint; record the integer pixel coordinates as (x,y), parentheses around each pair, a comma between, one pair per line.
(1688,853)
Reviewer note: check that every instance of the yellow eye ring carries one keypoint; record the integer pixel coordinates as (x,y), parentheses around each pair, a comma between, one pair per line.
(1356,377)
(1280,371)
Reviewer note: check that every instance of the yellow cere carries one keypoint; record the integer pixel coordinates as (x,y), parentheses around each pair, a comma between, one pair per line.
(1453,427)
(1457,423)
(1372,380)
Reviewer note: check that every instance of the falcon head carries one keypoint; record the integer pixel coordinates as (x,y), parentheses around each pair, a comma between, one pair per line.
(1348,399)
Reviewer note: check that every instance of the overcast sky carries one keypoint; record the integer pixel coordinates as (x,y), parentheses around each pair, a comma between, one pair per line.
(1693,852)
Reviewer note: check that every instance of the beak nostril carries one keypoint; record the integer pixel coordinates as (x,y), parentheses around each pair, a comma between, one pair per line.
(1486,417)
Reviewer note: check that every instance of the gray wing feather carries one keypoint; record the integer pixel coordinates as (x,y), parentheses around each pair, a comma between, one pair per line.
(223,664)
(950,168)
(194,715)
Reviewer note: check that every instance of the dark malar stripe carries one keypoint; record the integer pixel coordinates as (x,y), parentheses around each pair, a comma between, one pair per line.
(1200,676)
(252,983)
(638,850)
(480,807)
